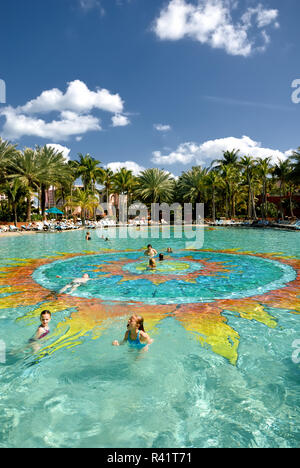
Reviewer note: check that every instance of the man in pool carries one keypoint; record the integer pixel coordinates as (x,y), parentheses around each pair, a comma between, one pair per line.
(150,252)
(75,284)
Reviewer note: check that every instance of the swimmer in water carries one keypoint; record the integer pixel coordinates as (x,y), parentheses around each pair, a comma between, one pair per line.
(135,335)
(161,257)
(169,250)
(150,252)
(75,284)
(88,236)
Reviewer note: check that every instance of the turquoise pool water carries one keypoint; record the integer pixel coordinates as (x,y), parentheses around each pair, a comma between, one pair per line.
(179,394)
(243,277)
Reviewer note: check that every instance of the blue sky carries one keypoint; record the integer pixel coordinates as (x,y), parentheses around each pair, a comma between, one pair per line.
(151,83)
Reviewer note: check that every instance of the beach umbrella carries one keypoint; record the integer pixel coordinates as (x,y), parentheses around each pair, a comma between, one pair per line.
(54,211)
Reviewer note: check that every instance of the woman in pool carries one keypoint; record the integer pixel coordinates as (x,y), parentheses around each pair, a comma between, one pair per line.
(135,335)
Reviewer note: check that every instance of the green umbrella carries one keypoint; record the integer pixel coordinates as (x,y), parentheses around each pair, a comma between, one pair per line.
(54,211)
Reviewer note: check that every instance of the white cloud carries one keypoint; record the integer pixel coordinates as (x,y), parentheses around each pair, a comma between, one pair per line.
(203,154)
(130,165)
(73,107)
(70,124)
(162,128)
(119,120)
(78,98)
(62,149)
(210,22)
(88,5)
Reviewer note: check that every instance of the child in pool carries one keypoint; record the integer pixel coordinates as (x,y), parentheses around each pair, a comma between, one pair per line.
(150,252)
(43,329)
(88,236)
(169,250)
(135,335)
(161,257)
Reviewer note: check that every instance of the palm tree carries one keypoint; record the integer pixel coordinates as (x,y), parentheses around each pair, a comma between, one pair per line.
(229,158)
(213,180)
(53,171)
(155,186)
(107,180)
(7,153)
(263,171)
(296,166)
(192,185)
(89,171)
(85,200)
(283,172)
(14,192)
(25,167)
(123,182)
(229,174)
(248,164)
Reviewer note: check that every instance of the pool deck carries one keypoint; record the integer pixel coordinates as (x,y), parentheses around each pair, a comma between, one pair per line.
(275,227)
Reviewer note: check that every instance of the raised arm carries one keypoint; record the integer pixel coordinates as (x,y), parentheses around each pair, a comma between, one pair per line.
(116,343)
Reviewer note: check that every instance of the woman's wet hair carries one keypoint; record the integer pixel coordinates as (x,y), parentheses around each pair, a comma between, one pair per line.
(140,322)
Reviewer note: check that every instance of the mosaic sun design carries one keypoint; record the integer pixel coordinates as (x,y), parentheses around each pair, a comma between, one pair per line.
(196,288)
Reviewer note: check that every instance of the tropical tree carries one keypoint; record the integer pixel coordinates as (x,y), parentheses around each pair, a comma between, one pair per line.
(14,192)
(89,171)
(123,182)
(85,200)
(229,174)
(248,164)
(295,158)
(7,153)
(264,170)
(230,158)
(26,167)
(213,181)
(54,170)
(283,171)
(192,185)
(155,186)
(107,180)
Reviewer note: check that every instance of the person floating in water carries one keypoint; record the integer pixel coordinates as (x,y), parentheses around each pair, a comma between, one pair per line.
(135,335)
(169,250)
(75,284)
(152,264)
(150,252)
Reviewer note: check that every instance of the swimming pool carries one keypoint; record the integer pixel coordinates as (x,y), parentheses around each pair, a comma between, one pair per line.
(221,371)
